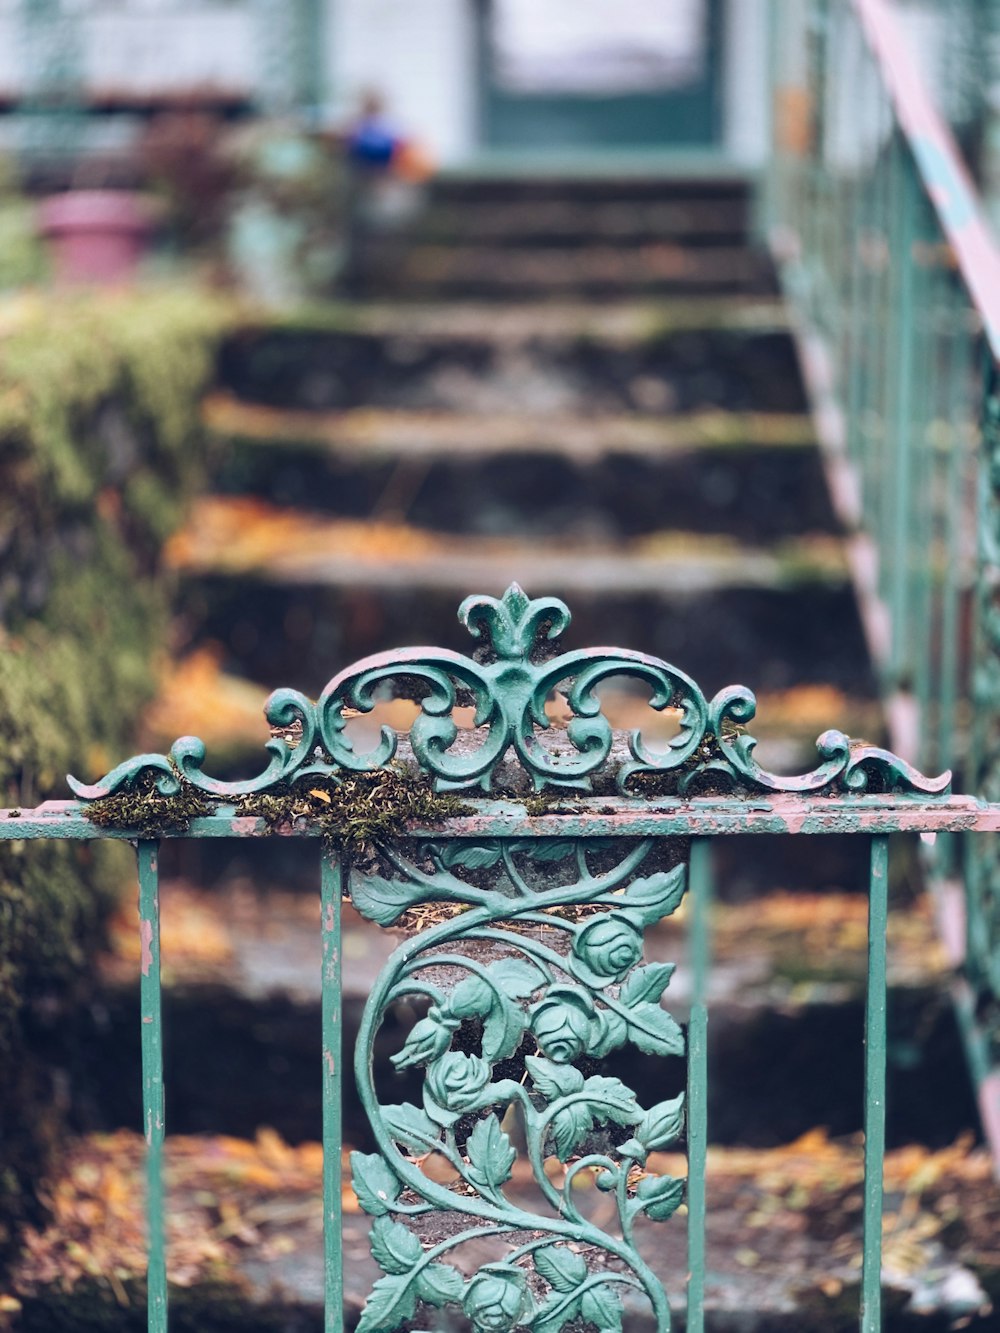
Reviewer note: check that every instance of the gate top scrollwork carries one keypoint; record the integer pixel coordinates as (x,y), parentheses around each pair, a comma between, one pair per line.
(508,680)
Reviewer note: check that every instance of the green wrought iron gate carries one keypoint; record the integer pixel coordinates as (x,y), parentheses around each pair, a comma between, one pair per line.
(526,864)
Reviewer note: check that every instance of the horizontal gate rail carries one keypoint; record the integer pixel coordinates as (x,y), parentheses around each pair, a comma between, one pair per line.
(610,817)
(544,868)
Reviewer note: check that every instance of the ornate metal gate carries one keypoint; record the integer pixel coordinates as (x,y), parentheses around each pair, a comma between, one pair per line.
(526,863)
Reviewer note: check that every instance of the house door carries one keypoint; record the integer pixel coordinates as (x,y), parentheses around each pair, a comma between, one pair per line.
(593,74)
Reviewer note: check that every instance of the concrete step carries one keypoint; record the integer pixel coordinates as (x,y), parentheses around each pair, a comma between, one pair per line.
(478,270)
(245,1240)
(242,1018)
(338,590)
(545,358)
(385,433)
(753,476)
(698,219)
(239,536)
(298,631)
(786,950)
(555,185)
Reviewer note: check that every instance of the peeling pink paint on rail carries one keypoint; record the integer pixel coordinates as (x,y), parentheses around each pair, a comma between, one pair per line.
(989,1107)
(941,168)
(244,826)
(795,813)
(146,942)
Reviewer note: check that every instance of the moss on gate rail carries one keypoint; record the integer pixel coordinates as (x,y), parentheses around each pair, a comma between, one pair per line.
(353,811)
(100,447)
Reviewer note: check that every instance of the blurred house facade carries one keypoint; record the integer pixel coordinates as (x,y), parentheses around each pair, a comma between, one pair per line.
(465,78)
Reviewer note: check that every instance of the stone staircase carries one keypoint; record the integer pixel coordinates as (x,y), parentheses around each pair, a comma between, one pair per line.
(589,387)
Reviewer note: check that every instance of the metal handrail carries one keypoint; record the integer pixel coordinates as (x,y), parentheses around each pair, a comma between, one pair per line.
(945,177)
(894,281)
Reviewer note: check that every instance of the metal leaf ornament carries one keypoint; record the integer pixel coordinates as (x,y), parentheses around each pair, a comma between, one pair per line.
(520,988)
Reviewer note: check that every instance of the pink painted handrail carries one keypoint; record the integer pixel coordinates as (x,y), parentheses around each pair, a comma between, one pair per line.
(945,177)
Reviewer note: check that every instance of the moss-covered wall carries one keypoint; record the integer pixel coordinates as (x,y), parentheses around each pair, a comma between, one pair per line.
(100,446)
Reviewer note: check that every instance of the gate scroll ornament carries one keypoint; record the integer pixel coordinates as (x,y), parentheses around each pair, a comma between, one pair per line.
(531,969)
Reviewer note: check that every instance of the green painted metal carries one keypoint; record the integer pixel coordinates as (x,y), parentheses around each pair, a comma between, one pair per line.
(528,952)
(291,74)
(875,1057)
(510,685)
(153,1104)
(331,893)
(574,985)
(906,309)
(899,413)
(982,858)
(697,1135)
(686,117)
(51,112)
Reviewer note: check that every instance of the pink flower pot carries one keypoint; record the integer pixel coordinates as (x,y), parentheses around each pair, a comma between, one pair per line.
(96,237)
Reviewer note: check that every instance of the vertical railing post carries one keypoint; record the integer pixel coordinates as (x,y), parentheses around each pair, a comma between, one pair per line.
(903,469)
(331,889)
(153,1110)
(958,380)
(875,1054)
(982,855)
(700,898)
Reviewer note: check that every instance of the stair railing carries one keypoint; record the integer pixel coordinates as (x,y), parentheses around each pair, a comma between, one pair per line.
(526,864)
(894,282)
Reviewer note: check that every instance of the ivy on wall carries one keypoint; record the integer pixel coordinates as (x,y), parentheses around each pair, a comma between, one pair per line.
(100,448)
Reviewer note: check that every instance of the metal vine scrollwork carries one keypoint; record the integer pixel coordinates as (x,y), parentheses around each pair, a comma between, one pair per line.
(539,971)
(509,688)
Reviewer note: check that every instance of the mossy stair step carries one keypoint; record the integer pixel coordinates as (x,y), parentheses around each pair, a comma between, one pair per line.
(340,589)
(242,1018)
(291,631)
(694,220)
(470,271)
(380,432)
(246,1239)
(238,536)
(753,476)
(547,358)
(791,947)
(558,183)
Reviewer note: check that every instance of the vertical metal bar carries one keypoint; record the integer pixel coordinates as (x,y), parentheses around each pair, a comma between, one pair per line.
(904,461)
(331,888)
(879,485)
(154,1120)
(862,281)
(700,898)
(919,626)
(959,381)
(875,1047)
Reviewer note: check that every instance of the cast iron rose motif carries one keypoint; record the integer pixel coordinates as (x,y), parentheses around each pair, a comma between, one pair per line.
(455,1081)
(497,1299)
(429,1038)
(608,946)
(564,1023)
